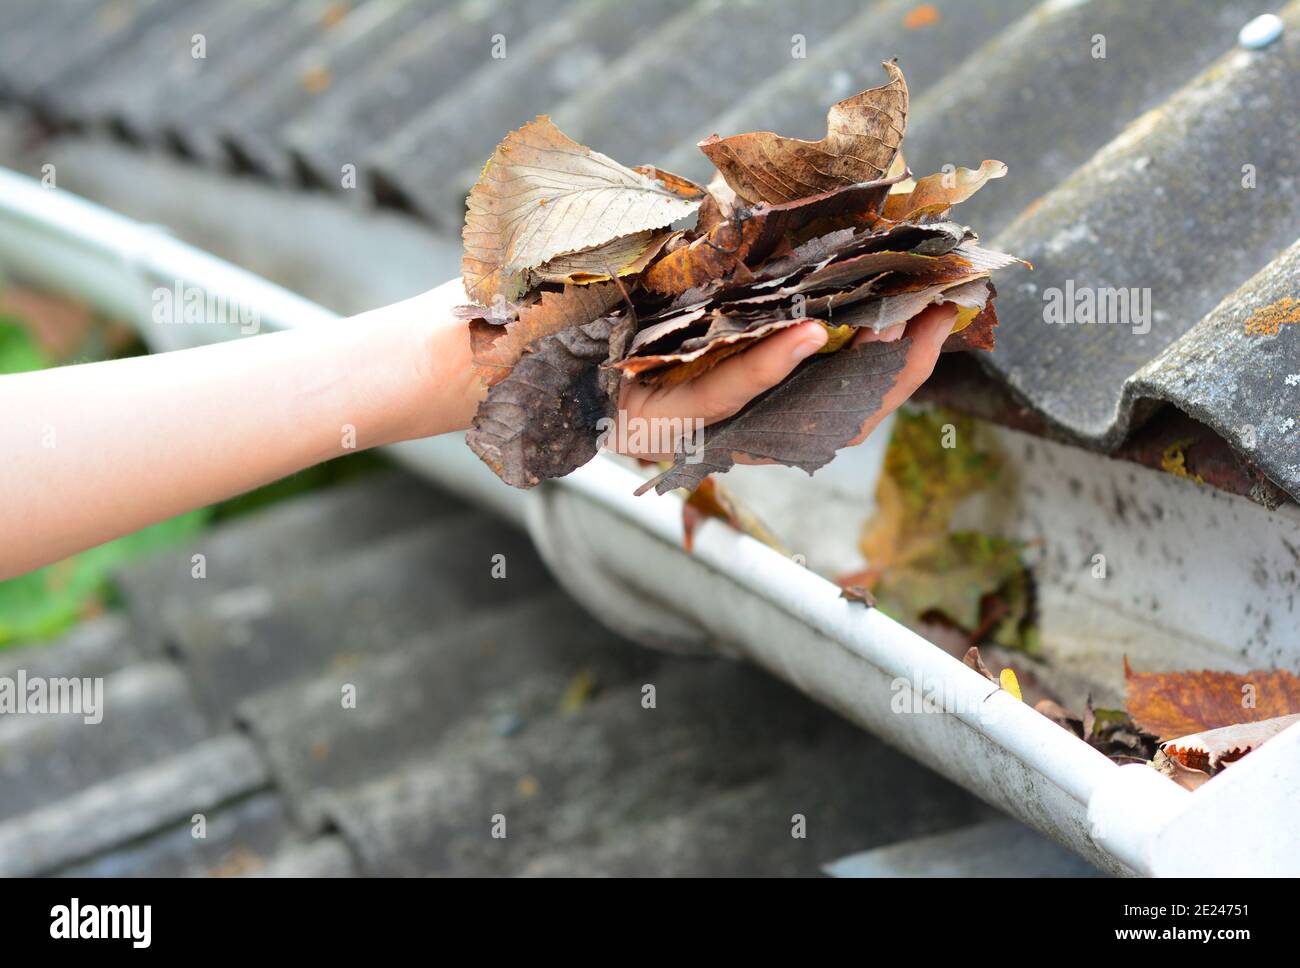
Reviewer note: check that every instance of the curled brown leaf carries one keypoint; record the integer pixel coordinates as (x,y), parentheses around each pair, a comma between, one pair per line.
(862,137)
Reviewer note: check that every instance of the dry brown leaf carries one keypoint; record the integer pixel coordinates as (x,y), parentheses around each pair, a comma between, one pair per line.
(862,137)
(1174,704)
(676,184)
(748,236)
(939,192)
(978,333)
(844,271)
(1058,714)
(543,419)
(720,254)
(1185,776)
(711,500)
(889,301)
(690,319)
(496,348)
(542,195)
(670,369)
(881,313)
(1213,748)
(624,257)
(858,593)
(973,660)
(719,204)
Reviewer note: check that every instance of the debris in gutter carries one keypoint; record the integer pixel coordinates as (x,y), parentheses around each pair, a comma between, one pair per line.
(711,500)
(1174,460)
(578,692)
(1006,679)
(974,660)
(921,571)
(1189,726)
(858,593)
(1185,776)
(1192,760)
(960,384)
(1109,731)
(1214,748)
(1174,704)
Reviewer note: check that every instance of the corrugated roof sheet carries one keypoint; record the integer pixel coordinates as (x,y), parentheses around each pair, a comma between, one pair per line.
(1132,130)
(465,708)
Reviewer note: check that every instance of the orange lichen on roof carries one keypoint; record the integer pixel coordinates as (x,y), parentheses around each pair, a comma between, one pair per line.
(1267,320)
(317,79)
(334,14)
(922,16)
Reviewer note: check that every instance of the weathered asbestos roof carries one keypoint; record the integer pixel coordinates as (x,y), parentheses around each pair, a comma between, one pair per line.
(475,696)
(1126,171)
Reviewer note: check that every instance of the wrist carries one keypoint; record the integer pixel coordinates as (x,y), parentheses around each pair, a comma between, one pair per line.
(434,360)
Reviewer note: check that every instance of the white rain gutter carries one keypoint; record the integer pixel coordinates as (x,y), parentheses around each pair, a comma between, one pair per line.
(733,592)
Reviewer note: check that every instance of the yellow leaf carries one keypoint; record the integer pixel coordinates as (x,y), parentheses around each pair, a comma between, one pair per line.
(1174,460)
(965,316)
(836,337)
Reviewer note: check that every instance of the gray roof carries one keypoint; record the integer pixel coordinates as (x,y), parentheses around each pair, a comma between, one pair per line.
(475,696)
(1126,170)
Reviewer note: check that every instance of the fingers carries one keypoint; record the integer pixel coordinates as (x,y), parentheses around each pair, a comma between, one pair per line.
(890,335)
(927,330)
(731,384)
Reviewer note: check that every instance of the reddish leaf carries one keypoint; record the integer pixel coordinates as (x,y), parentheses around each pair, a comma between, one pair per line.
(1174,704)
(1210,750)
(497,348)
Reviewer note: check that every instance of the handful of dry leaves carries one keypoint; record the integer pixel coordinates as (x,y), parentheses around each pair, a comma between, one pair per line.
(578,279)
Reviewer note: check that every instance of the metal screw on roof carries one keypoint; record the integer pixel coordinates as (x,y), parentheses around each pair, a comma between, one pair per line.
(1260,32)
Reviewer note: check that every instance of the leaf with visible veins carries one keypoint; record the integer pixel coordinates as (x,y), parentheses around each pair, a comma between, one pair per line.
(624,257)
(498,348)
(542,195)
(543,419)
(862,137)
(1173,704)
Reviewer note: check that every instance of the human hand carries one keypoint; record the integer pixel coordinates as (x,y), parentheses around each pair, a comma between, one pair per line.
(730,385)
